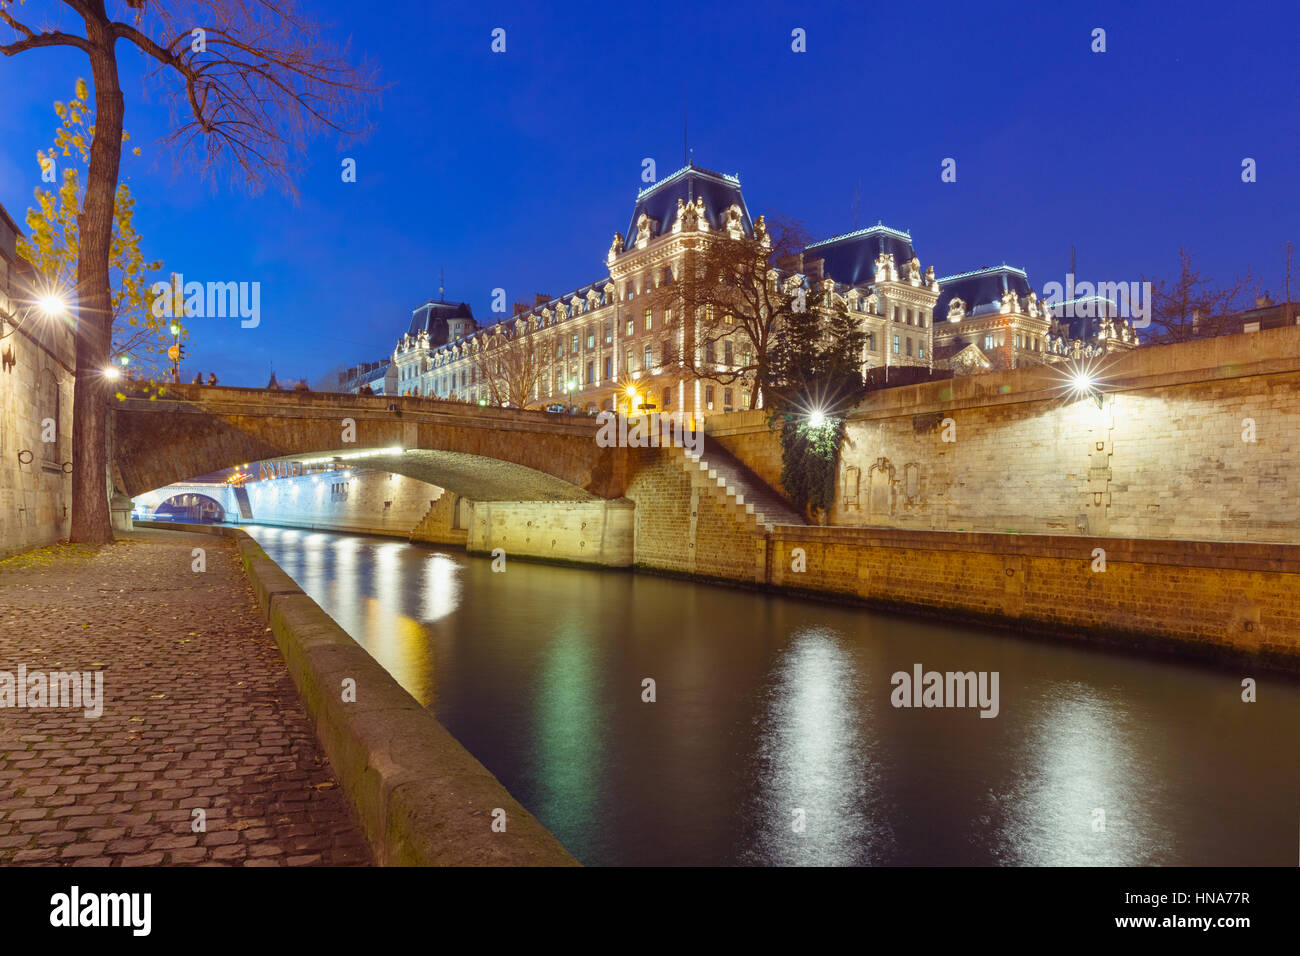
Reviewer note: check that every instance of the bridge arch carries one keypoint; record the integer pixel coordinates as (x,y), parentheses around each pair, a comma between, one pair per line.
(190,506)
(481,453)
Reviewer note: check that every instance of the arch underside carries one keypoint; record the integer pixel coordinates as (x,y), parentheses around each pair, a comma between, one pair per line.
(471,476)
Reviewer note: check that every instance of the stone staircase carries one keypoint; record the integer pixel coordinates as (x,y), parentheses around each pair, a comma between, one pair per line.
(719,470)
(432,529)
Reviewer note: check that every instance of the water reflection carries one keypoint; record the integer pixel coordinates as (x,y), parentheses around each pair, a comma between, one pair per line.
(815,759)
(765,706)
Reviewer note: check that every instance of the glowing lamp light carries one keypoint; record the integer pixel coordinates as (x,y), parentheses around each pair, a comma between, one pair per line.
(125,360)
(52,304)
(112,374)
(175,329)
(631,391)
(816,418)
(1083,382)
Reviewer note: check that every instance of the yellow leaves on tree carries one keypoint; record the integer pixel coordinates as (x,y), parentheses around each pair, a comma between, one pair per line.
(51,244)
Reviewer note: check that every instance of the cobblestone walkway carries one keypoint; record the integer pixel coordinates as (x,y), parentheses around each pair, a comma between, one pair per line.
(199,713)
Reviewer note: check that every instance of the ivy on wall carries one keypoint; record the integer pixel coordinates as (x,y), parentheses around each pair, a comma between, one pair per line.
(815,378)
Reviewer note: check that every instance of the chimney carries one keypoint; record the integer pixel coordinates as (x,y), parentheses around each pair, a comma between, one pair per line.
(540,298)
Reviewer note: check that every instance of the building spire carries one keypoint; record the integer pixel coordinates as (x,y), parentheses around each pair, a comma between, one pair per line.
(442,282)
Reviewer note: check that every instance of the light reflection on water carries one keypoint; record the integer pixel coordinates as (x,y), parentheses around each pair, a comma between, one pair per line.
(767,706)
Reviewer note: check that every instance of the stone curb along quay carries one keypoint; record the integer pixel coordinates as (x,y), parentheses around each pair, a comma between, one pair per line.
(421,797)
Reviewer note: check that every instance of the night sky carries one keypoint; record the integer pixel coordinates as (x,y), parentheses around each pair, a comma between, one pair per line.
(515,169)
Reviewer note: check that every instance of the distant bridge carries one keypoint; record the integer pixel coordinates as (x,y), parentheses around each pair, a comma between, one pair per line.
(484,453)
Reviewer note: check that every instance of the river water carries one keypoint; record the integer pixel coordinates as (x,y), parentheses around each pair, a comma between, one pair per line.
(772,738)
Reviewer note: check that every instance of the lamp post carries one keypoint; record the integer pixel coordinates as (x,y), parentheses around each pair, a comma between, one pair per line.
(174,353)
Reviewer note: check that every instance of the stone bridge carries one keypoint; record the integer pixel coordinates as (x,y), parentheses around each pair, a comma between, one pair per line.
(487,454)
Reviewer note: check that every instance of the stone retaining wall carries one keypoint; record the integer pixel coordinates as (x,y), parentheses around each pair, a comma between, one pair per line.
(1218,600)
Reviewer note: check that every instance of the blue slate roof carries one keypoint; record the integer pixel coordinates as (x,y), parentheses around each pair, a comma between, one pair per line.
(851,258)
(659,201)
(432,318)
(981,289)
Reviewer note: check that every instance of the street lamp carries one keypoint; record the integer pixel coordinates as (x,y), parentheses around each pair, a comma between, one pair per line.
(816,418)
(52,305)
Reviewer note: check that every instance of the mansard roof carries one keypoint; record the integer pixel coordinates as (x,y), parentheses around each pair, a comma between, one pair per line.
(1081,317)
(431,317)
(851,258)
(981,289)
(659,201)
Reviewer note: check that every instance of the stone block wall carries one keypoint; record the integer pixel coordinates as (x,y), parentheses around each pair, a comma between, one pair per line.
(685,525)
(374,502)
(35,386)
(582,532)
(1240,598)
(1192,441)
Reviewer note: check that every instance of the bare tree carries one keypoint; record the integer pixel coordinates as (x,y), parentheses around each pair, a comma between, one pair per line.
(252,81)
(733,290)
(1194,306)
(510,366)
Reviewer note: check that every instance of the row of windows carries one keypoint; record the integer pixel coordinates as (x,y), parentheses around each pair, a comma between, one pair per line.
(647,282)
(1031,342)
(912,317)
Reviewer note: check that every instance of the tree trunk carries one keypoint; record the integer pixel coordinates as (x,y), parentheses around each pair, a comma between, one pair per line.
(91,523)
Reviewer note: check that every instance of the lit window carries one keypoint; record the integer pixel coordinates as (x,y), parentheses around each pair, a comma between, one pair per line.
(649,320)
(895,344)
(649,357)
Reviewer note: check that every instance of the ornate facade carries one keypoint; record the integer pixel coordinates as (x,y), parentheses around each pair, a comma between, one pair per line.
(615,343)
(992,319)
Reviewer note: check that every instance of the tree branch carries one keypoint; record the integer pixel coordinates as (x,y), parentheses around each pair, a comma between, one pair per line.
(32,39)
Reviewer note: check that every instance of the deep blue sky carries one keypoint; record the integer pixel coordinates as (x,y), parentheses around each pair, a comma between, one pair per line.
(515,170)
